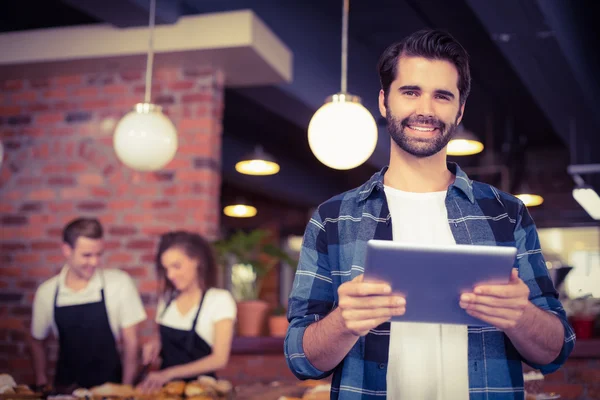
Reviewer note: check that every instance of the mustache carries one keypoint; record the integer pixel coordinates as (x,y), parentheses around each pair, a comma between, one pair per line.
(421,120)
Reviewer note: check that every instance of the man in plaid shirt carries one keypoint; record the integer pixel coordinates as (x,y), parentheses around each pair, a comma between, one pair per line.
(340,324)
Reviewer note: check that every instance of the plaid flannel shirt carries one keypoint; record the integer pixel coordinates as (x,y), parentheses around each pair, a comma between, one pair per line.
(333,252)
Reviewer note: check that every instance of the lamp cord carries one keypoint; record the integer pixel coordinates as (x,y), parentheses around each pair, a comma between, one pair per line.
(345,12)
(150,61)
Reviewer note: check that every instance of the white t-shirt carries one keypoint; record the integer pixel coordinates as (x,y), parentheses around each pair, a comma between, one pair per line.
(426,361)
(123,303)
(218,305)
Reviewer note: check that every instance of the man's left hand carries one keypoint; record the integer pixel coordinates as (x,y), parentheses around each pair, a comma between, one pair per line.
(500,305)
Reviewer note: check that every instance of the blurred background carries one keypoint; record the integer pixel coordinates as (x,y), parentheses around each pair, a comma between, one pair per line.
(240,81)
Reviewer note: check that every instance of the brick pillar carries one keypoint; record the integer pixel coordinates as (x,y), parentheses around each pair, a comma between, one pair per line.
(60,164)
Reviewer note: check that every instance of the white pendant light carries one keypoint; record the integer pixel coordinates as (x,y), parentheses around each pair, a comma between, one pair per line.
(464,143)
(146,139)
(528,196)
(342,134)
(257,163)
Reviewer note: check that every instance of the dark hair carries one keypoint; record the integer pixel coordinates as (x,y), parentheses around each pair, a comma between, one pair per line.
(82,227)
(430,44)
(195,247)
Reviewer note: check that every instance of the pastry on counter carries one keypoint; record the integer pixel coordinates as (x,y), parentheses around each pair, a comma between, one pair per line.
(175,388)
(199,389)
(113,390)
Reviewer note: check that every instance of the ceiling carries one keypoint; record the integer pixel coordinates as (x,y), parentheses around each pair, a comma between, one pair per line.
(534,94)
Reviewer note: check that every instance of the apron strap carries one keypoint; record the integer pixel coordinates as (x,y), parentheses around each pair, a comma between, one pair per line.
(198,312)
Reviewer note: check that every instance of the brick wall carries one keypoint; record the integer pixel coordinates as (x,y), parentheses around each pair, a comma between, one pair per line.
(60,164)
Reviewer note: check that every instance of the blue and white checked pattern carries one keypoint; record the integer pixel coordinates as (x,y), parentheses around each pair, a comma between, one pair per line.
(333,252)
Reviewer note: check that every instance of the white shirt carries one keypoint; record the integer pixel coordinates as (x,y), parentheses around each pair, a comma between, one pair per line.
(218,305)
(426,361)
(123,303)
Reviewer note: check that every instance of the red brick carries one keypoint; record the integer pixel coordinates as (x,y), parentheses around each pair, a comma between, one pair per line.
(125,205)
(129,76)
(13,220)
(13,272)
(76,167)
(181,85)
(56,94)
(593,393)
(29,180)
(56,258)
(167,73)
(41,219)
(100,192)
(89,91)
(566,391)
(40,272)
(156,230)
(137,272)
(198,150)
(120,258)
(122,230)
(144,190)
(140,244)
(13,84)
(178,163)
(61,181)
(74,193)
(137,218)
(198,98)
(116,89)
(90,179)
(195,124)
(53,168)
(27,96)
(95,104)
(49,118)
(6,208)
(68,80)
(91,205)
(157,204)
(36,107)
(60,207)
(27,258)
(6,111)
(195,176)
(11,323)
(149,286)
(42,195)
(39,246)
(176,218)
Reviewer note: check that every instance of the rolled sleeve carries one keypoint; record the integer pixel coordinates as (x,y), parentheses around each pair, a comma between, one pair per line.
(311,299)
(533,271)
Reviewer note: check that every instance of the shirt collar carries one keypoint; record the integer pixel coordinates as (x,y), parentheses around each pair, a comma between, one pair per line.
(94,283)
(462,182)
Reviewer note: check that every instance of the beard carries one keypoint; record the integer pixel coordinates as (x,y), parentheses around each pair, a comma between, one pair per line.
(420,147)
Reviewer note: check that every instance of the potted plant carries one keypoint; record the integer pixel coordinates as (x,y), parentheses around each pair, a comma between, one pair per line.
(278,322)
(251,257)
(582,313)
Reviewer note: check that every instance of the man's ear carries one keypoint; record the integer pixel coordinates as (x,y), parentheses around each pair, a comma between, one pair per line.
(461,112)
(67,250)
(382,107)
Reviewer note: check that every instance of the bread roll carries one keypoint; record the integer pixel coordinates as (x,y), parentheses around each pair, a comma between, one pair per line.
(199,389)
(174,388)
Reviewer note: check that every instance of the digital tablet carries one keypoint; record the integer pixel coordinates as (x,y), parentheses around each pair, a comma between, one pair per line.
(432,277)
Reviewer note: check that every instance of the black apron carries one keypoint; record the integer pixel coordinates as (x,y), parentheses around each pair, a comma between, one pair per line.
(88,354)
(180,347)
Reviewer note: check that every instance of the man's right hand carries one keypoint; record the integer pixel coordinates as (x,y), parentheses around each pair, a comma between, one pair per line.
(366,305)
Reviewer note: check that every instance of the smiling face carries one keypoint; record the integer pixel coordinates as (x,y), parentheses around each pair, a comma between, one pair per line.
(422,108)
(180,269)
(84,257)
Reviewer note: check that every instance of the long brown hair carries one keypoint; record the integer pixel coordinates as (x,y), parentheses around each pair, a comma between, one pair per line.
(196,248)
